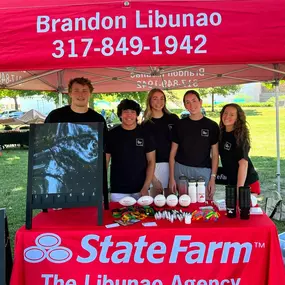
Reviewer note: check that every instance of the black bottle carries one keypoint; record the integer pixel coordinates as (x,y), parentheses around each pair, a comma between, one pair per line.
(244,202)
(231,200)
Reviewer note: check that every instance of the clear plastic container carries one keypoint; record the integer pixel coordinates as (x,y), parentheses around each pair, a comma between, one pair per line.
(183,185)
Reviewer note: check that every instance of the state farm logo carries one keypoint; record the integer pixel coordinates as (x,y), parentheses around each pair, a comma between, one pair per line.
(108,250)
(47,247)
(139,142)
(227,146)
(205,132)
(170,126)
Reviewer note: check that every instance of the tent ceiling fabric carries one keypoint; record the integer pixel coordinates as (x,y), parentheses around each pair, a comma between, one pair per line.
(140,44)
(129,79)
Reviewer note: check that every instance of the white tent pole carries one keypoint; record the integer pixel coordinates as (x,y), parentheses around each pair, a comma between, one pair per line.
(59,99)
(276,83)
(60,87)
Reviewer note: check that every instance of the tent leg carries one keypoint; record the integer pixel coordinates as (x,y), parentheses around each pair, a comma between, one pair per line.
(60,87)
(59,99)
(277,134)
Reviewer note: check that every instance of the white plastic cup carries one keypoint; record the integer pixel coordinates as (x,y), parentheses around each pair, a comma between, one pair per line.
(188,218)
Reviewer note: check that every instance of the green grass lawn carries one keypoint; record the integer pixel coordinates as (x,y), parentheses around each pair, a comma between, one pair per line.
(13,164)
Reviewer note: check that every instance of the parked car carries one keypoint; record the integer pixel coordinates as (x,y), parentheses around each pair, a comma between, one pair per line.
(17,114)
(11,114)
(7,113)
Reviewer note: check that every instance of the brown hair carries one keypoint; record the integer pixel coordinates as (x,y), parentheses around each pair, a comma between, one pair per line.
(127,104)
(148,113)
(81,81)
(191,92)
(241,131)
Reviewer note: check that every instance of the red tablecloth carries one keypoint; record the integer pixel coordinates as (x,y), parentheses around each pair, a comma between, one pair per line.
(67,247)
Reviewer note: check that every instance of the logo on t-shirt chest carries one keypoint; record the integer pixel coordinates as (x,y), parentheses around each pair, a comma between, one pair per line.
(170,126)
(139,142)
(205,132)
(227,146)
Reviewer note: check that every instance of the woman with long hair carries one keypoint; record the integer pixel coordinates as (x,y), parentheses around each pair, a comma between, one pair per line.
(158,123)
(234,146)
(194,150)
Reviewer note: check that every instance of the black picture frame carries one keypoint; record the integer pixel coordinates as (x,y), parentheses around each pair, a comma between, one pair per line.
(2,248)
(59,152)
(6,261)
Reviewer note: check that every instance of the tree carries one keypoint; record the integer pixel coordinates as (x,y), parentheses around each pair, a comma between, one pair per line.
(139,97)
(54,96)
(15,94)
(271,85)
(222,90)
(172,97)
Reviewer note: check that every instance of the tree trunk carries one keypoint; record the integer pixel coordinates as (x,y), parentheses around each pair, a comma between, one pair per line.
(16,103)
(213,102)
(91,102)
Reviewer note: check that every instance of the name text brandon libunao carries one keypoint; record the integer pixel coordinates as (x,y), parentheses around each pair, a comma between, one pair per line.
(164,36)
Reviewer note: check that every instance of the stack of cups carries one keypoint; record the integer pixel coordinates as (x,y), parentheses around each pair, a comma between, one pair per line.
(244,202)
(231,200)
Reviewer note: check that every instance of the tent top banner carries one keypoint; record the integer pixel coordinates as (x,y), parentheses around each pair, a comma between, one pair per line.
(128,79)
(140,33)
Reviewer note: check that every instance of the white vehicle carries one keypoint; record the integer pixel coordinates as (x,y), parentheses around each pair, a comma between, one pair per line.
(7,114)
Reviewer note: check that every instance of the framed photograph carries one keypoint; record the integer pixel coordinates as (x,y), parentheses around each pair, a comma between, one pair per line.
(65,167)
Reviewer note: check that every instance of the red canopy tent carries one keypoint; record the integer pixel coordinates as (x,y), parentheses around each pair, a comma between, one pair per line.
(137,45)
